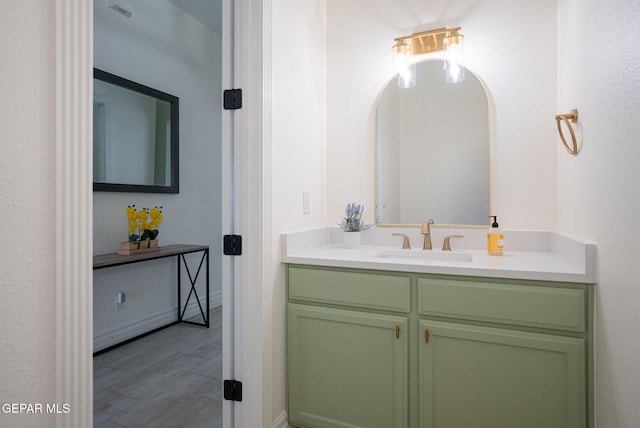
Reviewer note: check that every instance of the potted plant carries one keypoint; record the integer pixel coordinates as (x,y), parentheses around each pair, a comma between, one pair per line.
(143,230)
(352,225)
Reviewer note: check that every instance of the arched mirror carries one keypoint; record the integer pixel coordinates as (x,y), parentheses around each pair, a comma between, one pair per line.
(432,150)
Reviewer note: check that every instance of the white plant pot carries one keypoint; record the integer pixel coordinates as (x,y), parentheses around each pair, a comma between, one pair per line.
(351,239)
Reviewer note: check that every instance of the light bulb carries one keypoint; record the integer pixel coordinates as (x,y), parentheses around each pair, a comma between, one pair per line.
(454,54)
(403,69)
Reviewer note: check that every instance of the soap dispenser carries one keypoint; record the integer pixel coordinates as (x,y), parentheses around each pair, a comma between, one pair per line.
(495,238)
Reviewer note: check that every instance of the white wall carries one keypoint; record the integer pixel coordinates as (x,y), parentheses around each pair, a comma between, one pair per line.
(27,208)
(510,45)
(298,149)
(599,189)
(162,47)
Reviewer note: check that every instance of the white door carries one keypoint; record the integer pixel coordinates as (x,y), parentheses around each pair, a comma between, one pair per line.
(228,211)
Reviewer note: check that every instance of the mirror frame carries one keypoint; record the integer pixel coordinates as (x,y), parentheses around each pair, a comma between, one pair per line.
(174,186)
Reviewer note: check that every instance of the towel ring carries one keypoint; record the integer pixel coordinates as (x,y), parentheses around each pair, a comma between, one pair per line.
(573,117)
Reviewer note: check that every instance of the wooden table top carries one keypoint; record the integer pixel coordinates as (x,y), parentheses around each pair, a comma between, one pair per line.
(114,259)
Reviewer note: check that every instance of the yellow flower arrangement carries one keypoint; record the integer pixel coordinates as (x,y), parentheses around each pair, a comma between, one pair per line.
(145,222)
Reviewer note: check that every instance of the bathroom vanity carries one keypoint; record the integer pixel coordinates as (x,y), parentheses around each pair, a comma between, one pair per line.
(379,337)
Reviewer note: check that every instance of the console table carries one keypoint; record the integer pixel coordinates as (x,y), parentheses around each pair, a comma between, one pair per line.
(178,251)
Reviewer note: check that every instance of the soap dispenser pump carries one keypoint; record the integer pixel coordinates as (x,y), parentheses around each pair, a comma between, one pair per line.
(495,238)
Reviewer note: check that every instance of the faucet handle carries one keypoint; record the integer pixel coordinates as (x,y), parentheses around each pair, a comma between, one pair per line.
(405,241)
(446,245)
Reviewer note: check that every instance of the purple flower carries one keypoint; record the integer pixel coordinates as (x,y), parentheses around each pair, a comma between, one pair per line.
(353,220)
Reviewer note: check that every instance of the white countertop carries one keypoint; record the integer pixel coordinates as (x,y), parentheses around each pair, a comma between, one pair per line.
(536,255)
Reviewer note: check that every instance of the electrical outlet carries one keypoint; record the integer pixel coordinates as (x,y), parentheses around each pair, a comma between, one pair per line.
(121,300)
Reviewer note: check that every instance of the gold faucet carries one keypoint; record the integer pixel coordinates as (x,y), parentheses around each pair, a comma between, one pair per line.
(426,231)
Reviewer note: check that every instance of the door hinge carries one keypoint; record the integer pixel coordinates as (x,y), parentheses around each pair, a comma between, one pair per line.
(232,99)
(426,336)
(232,390)
(232,245)
(397,331)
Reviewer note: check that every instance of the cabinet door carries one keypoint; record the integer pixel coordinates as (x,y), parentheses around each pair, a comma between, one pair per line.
(479,377)
(346,368)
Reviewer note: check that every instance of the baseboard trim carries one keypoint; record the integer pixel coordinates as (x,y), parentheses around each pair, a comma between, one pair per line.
(153,322)
(281,421)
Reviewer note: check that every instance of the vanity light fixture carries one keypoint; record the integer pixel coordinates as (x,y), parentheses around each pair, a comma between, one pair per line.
(448,40)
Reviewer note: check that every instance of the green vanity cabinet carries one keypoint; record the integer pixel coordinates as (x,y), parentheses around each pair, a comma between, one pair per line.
(484,377)
(502,353)
(392,350)
(347,367)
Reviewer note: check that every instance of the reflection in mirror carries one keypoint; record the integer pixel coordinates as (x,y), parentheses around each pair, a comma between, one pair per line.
(432,150)
(135,137)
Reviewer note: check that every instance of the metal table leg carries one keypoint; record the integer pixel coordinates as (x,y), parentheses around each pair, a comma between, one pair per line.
(193,291)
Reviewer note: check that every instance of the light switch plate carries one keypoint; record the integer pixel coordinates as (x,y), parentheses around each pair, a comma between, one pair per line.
(306,203)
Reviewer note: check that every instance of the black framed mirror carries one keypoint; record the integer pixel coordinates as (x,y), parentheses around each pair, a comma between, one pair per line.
(135,137)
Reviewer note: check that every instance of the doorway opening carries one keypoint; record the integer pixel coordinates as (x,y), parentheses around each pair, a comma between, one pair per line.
(174,46)
(74,197)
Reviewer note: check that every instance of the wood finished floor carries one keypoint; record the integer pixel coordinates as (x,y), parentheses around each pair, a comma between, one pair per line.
(171,378)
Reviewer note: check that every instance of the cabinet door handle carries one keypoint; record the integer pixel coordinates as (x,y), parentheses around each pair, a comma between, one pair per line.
(397,331)
(426,335)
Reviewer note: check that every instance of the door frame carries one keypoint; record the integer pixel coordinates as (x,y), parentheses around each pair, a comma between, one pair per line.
(250,326)
(74,216)
(74,206)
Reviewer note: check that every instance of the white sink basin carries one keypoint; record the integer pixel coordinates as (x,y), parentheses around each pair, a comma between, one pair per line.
(425,255)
